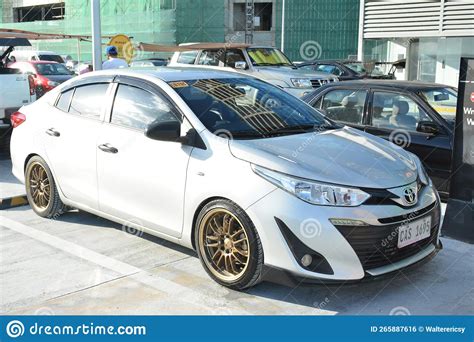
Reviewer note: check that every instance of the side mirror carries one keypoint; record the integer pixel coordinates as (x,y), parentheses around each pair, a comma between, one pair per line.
(240,65)
(428,127)
(164,131)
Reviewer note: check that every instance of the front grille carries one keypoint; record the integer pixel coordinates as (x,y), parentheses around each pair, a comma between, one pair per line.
(319,83)
(376,246)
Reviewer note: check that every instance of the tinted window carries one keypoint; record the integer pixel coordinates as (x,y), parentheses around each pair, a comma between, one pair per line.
(395,111)
(329,68)
(52,58)
(233,56)
(443,100)
(210,57)
(88,101)
(247,108)
(65,100)
(137,108)
(188,57)
(48,69)
(346,105)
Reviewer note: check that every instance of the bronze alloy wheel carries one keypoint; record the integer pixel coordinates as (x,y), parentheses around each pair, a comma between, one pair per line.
(40,186)
(224,244)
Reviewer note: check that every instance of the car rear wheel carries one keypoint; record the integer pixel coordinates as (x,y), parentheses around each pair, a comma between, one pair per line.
(228,245)
(41,189)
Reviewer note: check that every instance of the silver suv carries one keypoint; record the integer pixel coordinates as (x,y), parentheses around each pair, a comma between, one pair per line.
(266,63)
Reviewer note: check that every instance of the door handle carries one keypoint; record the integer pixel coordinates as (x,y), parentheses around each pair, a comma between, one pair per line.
(107,148)
(52,132)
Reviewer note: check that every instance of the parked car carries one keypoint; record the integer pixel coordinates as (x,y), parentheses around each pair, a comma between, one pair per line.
(16,89)
(347,70)
(47,75)
(147,63)
(416,115)
(194,156)
(35,55)
(267,63)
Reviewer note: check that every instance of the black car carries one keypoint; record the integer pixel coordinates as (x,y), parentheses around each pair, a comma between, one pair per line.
(414,115)
(347,70)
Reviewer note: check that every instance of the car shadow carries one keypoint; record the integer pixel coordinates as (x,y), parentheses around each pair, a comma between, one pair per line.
(83,217)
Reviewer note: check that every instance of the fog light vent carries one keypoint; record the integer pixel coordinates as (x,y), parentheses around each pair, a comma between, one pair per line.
(306,260)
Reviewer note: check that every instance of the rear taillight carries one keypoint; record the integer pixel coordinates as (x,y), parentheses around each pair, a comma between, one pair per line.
(17,119)
(32,84)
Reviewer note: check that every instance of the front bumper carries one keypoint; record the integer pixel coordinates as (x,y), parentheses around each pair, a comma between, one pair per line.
(341,253)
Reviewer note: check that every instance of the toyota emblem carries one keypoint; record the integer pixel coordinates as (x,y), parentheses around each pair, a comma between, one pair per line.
(410,196)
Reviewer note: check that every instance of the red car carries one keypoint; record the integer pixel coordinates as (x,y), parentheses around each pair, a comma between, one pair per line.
(46,74)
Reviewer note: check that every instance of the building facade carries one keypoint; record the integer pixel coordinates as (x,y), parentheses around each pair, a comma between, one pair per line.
(312,28)
(432,35)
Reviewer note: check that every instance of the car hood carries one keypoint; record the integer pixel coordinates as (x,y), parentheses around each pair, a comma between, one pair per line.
(59,78)
(284,71)
(343,156)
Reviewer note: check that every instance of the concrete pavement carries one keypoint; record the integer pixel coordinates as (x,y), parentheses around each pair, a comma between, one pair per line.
(82,264)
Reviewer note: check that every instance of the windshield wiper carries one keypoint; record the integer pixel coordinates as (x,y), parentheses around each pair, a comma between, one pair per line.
(304,128)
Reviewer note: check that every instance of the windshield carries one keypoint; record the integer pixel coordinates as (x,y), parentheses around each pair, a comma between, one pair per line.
(52,58)
(244,108)
(357,67)
(268,56)
(442,100)
(48,69)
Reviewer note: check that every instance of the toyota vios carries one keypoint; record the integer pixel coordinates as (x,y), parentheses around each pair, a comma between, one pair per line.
(236,168)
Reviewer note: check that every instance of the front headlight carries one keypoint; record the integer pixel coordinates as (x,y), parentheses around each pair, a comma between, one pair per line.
(301,82)
(53,84)
(314,192)
(422,174)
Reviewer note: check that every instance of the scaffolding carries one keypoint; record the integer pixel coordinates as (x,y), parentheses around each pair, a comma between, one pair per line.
(249,21)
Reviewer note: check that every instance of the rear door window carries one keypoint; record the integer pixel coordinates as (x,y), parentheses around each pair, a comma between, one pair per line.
(89,100)
(65,100)
(346,105)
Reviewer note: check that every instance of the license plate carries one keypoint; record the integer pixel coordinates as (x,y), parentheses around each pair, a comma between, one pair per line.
(414,231)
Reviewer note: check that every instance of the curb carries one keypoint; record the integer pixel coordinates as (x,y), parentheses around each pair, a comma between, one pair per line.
(13,202)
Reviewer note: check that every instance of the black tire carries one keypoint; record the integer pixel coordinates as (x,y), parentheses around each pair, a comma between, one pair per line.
(250,274)
(53,207)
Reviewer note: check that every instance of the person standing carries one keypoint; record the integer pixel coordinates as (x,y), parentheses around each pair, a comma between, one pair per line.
(113,62)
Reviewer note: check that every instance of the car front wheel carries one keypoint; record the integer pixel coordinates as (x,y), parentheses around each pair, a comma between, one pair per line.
(228,245)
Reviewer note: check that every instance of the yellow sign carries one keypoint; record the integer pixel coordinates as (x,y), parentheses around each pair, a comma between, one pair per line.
(124,47)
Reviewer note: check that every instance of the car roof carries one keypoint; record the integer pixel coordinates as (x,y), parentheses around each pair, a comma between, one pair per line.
(340,61)
(170,74)
(398,84)
(42,62)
